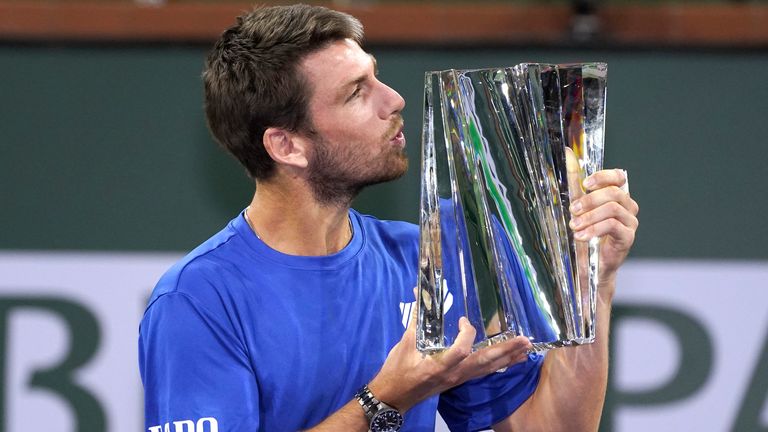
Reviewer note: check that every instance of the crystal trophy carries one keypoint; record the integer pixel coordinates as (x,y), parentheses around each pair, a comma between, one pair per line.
(504,152)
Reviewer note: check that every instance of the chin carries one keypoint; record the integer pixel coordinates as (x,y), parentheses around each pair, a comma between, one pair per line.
(392,171)
(398,167)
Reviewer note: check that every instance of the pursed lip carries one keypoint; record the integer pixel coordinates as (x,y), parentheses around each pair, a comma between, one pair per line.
(399,139)
(399,133)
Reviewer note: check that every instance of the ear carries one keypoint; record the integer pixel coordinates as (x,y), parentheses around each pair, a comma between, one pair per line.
(285,147)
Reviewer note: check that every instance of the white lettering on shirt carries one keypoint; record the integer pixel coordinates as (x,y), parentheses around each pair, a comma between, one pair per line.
(205,424)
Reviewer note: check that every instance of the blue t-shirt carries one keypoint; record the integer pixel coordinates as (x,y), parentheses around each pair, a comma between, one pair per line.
(241,337)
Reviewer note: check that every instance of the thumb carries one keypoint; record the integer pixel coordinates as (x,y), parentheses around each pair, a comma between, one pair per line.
(414,312)
(573,173)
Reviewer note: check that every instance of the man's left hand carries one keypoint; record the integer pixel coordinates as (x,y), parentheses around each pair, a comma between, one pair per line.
(609,212)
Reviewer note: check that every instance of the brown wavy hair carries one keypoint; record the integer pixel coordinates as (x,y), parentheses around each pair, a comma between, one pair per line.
(252,80)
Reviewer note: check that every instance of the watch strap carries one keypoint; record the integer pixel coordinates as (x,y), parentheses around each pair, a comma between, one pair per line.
(368,401)
(371,405)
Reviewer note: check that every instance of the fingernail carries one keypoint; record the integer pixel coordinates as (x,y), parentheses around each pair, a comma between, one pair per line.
(581,235)
(589,182)
(576,207)
(575,222)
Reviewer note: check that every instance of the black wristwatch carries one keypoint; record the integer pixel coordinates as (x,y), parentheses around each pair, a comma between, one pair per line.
(381,417)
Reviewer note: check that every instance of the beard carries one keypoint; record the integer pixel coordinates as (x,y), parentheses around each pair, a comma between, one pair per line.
(337,173)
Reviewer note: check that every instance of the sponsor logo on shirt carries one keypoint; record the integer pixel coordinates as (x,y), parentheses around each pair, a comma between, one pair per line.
(406,309)
(205,424)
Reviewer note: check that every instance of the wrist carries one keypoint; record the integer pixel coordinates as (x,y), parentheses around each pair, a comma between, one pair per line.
(380,416)
(388,394)
(606,288)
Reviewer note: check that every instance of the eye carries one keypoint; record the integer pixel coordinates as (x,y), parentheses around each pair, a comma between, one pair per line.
(354,94)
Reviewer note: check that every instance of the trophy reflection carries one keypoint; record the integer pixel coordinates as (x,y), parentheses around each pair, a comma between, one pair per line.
(504,152)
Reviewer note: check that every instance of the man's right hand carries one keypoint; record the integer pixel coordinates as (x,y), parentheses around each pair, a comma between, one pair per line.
(409,377)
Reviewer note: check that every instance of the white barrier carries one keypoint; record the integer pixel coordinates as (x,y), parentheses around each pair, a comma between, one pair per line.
(688,337)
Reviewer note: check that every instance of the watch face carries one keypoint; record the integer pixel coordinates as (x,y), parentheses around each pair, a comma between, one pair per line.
(387,420)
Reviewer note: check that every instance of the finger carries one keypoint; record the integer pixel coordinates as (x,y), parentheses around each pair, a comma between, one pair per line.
(602,196)
(508,350)
(625,186)
(573,174)
(499,356)
(462,346)
(622,235)
(605,178)
(609,210)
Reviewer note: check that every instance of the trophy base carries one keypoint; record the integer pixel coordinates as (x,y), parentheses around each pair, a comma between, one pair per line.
(538,347)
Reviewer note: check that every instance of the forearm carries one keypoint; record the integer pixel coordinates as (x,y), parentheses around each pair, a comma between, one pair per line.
(575,379)
(349,418)
(571,390)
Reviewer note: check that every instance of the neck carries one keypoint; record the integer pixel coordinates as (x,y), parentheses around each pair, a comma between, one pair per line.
(290,220)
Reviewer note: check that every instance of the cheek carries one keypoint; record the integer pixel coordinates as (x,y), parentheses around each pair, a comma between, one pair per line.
(363,138)
(355,131)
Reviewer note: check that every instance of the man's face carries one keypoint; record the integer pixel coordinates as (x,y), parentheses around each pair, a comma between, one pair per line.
(358,139)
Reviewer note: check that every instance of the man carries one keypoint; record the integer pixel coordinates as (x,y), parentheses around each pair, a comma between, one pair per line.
(289,319)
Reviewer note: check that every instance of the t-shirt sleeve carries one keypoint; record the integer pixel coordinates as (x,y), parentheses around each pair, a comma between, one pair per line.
(194,369)
(478,404)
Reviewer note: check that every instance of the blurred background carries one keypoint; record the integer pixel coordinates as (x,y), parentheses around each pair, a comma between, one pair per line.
(108,175)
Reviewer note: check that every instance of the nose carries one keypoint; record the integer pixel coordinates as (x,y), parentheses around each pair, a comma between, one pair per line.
(393,102)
